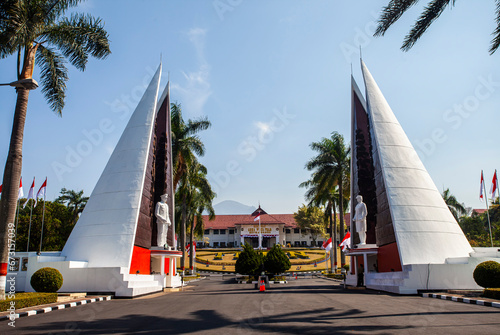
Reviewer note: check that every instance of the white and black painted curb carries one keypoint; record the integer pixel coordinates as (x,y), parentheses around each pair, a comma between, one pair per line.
(464,300)
(53,308)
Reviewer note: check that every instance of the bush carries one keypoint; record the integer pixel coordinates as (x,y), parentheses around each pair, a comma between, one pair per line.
(22,300)
(487,274)
(346,267)
(493,293)
(276,261)
(249,262)
(46,280)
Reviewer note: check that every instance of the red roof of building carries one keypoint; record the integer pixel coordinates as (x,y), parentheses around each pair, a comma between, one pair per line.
(479,211)
(230,221)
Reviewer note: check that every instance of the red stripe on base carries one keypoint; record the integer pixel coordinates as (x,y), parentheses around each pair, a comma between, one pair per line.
(3,269)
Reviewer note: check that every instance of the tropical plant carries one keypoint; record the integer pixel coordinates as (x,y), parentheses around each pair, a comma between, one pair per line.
(47,280)
(487,274)
(276,261)
(331,168)
(195,195)
(396,8)
(75,201)
(38,33)
(311,219)
(249,261)
(186,145)
(455,207)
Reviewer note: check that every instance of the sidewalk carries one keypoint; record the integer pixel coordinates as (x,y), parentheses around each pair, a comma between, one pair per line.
(34,310)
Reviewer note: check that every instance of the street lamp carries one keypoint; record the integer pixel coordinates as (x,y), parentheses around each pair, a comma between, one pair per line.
(29,84)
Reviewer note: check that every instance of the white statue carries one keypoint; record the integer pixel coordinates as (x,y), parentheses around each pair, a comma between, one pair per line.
(360,214)
(162,220)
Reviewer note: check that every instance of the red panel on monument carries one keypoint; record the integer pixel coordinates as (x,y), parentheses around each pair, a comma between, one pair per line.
(388,258)
(141,261)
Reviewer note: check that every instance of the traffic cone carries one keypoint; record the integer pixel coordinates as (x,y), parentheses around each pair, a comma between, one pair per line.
(262,286)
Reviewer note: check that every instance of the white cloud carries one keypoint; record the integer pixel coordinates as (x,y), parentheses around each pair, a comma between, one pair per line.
(195,90)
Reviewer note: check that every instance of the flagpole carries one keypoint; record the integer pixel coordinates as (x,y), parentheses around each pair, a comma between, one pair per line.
(43,220)
(29,229)
(260,235)
(487,211)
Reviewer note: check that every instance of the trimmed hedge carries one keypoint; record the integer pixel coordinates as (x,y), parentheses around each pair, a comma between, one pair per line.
(493,293)
(23,300)
(46,280)
(487,274)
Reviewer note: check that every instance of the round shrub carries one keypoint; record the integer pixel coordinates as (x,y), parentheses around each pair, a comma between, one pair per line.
(276,261)
(46,280)
(487,274)
(249,262)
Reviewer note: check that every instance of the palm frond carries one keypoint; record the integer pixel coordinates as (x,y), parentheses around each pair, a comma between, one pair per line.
(78,37)
(431,12)
(495,43)
(391,13)
(53,77)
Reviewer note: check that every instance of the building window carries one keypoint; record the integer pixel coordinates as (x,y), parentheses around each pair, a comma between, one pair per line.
(216,231)
(297,243)
(231,231)
(304,243)
(288,231)
(296,230)
(320,243)
(235,243)
(230,244)
(216,244)
(207,231)
(223,244)
(222,231)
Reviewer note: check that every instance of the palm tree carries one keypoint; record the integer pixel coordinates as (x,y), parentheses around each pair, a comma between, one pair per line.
(75,201)
(38,34)
(186,146)
(185,141)
(456,208)
(396,8)
(194,195)
(331,168)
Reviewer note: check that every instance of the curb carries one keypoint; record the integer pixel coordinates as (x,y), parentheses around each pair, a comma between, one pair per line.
(464,300)
(42,310)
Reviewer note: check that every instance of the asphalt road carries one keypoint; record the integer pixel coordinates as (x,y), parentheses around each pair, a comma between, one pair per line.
(304,306)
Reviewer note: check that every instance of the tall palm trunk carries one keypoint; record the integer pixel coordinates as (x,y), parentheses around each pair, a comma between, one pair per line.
(331,236)
(11,178)
(191,249)
(335,236)
(341,209)
(183,232)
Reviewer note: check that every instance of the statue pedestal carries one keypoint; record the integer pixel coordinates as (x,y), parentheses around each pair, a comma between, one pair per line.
(365,246)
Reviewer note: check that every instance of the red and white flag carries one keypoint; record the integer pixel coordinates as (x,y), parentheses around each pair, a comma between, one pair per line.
(188,249)
(20,193)
(31,193)
(257,217)
(1,189)
(41,192)
(346,242)
(481,194)
(327,245)
(494,185)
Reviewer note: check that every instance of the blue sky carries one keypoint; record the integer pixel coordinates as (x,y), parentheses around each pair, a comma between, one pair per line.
(272,77)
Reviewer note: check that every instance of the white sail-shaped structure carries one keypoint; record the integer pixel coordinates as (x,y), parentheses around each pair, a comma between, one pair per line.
(413,241)
(425,230)
(108,223)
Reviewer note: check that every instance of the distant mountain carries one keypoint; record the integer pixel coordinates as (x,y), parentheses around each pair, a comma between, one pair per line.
(233,207)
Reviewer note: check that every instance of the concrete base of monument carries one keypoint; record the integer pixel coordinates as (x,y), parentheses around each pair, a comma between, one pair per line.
(365,246)
(454,274)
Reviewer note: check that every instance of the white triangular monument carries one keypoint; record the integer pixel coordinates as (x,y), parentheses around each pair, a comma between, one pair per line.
(413,241)
(112,247)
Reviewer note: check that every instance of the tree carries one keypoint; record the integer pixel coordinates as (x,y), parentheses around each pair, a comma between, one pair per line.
(311,219)
(249,261)
(396,8)
(276,261)
(456,208)
(186,144)
(195,195)
(75,201)
(331,168)
(37,30)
